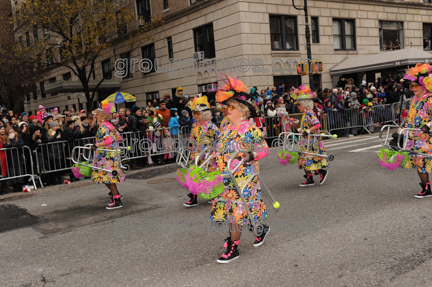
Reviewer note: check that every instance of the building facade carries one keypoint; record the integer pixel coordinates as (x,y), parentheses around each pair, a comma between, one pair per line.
(261,42)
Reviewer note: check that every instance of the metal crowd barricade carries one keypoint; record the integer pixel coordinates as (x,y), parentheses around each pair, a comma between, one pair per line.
(293,141)
(19,164)
(155,142)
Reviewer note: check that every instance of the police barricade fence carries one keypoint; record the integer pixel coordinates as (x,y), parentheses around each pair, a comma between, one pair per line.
(16,165)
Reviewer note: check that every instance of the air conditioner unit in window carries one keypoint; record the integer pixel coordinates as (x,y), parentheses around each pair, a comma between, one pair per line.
(212,88)
(198,55)
(68,97)
(201,89)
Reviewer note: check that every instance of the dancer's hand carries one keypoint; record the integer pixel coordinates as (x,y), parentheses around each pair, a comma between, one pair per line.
(93,147)
(425,129)
(250,156)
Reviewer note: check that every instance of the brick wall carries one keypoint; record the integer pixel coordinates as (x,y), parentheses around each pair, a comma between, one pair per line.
(5,11)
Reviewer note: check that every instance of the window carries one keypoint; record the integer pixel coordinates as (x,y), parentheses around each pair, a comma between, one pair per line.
(143,9)
(27,35)
(66,108)
(343,34)
(52,81)
(391,35)
(35,33)
(127,67)
(166,6)
(152,95)
(170,48)
(315,29)
(106,69)
(28,96)
(42,88)
(283,32)
(427,1)
(173,92)
(204,41)
(148,52)
(121,24)
(67,76)
(35,92)
(193,1)
(427,36)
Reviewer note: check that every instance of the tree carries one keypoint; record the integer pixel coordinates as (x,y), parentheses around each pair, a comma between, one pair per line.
(17,79)
(78,33)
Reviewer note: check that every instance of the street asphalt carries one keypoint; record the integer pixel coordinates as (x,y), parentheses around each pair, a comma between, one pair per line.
(362,227)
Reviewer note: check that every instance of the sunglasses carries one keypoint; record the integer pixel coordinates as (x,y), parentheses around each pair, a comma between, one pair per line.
(231,107)
(412,86)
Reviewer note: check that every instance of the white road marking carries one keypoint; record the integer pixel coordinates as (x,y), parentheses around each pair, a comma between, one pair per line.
(366,148)
(353,141)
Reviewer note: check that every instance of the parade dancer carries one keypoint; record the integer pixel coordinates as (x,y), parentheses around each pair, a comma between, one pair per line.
(204,134)
(310,125)
(420,117)
(240,134)
(107,138)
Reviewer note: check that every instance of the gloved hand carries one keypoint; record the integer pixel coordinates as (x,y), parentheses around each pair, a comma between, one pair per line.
(93,147)
(305,134)
(39,141)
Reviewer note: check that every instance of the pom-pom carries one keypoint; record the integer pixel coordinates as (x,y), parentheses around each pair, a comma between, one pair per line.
(76,172)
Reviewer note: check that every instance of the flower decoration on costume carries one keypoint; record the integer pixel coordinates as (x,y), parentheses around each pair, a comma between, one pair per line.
(420,75)
(304,93)
(108,107)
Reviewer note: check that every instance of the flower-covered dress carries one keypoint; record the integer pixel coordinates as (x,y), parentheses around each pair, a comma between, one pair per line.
(203,136)
(229,204)
(419,115)
(316,145)
(107,159)
(224,123)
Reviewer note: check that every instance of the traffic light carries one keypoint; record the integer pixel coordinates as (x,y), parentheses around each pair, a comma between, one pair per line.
(302,69)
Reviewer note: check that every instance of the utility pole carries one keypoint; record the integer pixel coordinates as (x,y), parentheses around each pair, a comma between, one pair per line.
(308,42)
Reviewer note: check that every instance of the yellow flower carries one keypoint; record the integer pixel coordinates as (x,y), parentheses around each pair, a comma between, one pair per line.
(219,215)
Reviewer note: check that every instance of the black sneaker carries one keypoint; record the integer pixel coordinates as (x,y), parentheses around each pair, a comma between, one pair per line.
(110,194)
(426,191)
(115,203)
(260,239)
(231,254)
(309,180)
(192,202)
(323,175)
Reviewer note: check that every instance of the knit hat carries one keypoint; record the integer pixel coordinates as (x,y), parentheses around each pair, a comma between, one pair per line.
(55,110)
(21,123)
(157,124)
(339,97)
(52,124)
(184,112)
(135,109)
(41,107)
(83,118)
(68,123)
(33,117)
(365,101)
(82,111)
(353,94)
(179,89)
(162,103)
(24,114)
(5,121)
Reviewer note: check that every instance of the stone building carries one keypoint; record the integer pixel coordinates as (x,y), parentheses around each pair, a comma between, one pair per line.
(250,39)
(7,36)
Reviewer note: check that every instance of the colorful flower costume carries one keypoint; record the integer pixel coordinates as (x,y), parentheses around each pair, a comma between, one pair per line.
(202,137)
(310,162)
(419,114)
(224,123)
(229,204)
(107,159)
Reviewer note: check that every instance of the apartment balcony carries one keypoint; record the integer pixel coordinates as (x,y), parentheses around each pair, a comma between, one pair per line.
(76,86)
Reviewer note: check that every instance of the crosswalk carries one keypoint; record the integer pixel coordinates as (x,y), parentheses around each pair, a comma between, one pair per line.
(366,143)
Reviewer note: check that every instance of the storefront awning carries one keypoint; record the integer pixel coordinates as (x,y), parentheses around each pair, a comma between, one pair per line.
(384,60)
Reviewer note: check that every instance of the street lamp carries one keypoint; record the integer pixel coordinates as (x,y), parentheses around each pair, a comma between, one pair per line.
(308,43)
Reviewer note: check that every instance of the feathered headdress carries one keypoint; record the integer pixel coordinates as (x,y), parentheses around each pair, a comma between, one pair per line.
(235,90)
(420,75)
(108,107)
(200,104)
